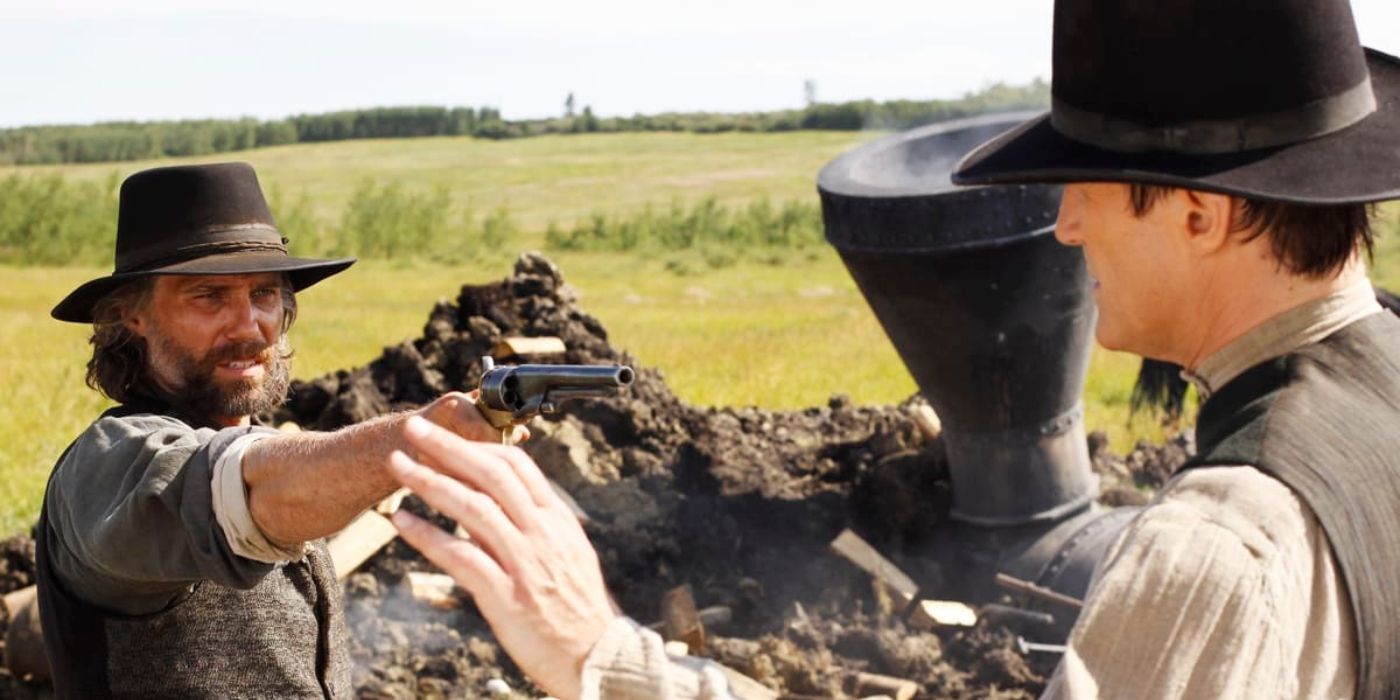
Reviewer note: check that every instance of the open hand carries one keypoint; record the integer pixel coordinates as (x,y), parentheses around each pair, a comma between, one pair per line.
(529,566)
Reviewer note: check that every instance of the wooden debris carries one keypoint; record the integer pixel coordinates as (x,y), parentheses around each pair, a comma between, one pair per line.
(927,614)
(1027,648)
(360,540)
(544,346)
(434,590)
(859,552)
(713,616)
(745,688)
(1020,586)
(997,611)
(930,425)
(16,601)
(24,643)
(876,684)
(391,503)
(680,620)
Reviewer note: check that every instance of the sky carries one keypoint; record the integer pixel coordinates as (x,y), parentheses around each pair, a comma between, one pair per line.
(81,61)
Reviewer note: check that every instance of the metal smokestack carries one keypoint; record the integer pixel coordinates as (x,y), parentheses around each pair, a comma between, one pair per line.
(994,319)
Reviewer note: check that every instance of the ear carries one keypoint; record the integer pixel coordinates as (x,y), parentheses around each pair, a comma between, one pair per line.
(1206,219)
(137,323)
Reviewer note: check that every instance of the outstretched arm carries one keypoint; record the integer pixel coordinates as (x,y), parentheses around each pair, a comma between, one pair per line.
(305,486)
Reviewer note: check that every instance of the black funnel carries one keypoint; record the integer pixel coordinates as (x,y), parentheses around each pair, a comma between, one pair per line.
(991,315)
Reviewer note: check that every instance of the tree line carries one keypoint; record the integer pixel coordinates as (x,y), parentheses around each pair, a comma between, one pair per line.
(121,141)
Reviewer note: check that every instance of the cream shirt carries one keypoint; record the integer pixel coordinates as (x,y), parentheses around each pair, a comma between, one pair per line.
(1224,586)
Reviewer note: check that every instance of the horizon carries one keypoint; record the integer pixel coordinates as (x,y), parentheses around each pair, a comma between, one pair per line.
(87,62)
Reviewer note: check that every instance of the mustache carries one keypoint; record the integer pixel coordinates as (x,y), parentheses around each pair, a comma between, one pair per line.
(259,350)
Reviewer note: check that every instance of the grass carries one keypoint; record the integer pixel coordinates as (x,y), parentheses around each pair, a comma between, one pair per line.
(542,179)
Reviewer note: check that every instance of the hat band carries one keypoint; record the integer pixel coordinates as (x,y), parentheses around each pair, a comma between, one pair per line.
(1212,137)
(246,238)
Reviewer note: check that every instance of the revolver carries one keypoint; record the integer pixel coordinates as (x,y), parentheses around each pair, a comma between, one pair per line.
(513,394)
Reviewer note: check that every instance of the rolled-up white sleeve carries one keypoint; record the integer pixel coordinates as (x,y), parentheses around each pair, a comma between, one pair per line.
(629,662)
(231,509)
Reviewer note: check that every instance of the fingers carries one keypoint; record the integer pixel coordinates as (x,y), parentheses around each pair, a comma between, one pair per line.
(477,466)
(472,568)
(528,472)
(478,513)
(457,412)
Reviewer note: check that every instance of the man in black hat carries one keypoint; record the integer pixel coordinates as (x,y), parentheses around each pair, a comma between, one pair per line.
(180,547)
(1220,158)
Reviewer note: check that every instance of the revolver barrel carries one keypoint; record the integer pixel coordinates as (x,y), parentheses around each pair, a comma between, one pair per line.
(527,390)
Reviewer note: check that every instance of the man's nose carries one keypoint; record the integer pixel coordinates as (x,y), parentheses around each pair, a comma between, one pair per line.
(246,322)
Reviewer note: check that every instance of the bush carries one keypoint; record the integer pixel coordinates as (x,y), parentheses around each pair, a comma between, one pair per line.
(387,221)
(45,220)
(721,233)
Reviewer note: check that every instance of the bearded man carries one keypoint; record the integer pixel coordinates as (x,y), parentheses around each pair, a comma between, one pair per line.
(1219,159)
(180,547)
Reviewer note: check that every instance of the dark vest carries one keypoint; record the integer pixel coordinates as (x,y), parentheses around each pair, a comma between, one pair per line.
(1325,421)
(283,638)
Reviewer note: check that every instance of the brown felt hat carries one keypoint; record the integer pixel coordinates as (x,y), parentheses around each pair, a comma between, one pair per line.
(1266,99)
(195,220)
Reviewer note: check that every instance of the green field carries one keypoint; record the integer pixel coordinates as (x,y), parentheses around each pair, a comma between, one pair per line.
(559,178)
(778,336)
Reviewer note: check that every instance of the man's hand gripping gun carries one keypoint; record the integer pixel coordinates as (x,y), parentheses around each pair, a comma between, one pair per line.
(513,394)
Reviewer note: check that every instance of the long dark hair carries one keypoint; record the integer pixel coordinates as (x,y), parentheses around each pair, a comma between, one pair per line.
(118,364)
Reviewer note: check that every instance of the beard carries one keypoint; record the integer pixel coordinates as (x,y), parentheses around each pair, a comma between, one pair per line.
(191,381)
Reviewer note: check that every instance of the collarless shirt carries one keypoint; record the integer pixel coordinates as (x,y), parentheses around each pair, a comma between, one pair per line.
(1225,585)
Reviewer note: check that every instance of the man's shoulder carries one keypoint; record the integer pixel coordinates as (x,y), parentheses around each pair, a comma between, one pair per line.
(1239,501)
(119,425)
(115,434)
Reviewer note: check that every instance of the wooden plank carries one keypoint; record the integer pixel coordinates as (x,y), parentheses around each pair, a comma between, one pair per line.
(889,686)
(859,552)
(391,503)
(359,541)
(680,621)
(433,590)
(544,346)
(930,425)
(928,614)
(24,644)
(18,600)
(1010,582)
(745,688)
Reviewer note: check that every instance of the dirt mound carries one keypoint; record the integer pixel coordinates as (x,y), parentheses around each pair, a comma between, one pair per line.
(738,503)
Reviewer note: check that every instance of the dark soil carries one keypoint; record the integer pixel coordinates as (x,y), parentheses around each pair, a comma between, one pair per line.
(738,503)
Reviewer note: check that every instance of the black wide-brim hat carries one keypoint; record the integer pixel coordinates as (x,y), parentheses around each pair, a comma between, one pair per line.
(1265,99)
(195,220)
